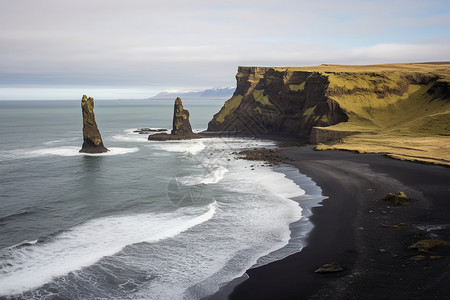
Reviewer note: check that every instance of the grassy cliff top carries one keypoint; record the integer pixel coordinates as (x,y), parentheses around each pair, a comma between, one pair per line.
(400,109)
(395,107)
(397,113)
(441,69)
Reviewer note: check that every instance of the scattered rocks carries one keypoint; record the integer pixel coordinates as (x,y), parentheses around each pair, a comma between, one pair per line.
(330,268)
(149,130)
(426,245)
(397,199)
(269,156)
(399,225)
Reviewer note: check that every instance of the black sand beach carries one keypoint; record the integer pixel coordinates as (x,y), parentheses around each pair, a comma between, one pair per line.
(367,236)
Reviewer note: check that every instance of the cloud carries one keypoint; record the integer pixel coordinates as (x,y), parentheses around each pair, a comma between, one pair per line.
(195,44)
(403,52)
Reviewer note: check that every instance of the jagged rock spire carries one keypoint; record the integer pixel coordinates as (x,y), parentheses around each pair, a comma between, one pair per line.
(92,140)
(181,125)
(181,128)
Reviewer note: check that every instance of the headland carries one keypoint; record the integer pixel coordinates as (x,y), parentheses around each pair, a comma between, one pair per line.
(377,113)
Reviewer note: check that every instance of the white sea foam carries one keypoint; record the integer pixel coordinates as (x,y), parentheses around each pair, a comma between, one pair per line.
(63,151)
(140,138)
(60,141)
(131,136)
(191,147)
(114,151)
(255,211)
(212,176)
(86,244)
(252,221)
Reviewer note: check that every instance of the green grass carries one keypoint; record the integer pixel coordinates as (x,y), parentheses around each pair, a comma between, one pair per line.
(413,112)
(261,98)
(297,87)
(229,107)
(392,115)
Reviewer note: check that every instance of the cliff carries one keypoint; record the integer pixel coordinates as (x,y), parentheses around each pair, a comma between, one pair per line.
(92,140)
(336,103)
(278,101)
(294,100)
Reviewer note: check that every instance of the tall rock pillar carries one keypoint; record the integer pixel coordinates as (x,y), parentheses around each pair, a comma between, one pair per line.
(92,140)
(181,125)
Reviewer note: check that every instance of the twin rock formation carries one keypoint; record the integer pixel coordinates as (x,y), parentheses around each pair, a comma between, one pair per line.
(92,140)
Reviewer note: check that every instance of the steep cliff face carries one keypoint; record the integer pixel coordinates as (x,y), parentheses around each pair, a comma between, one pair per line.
(274,100)
(349,99)
(92,140)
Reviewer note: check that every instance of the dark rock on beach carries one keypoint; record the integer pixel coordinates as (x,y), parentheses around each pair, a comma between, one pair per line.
(427,245)
(149,130)
(269,156)
(181,127)
(92,140)
(330,268)
(398,198)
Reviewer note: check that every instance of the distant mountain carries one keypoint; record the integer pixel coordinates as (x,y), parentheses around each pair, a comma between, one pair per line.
(209,94)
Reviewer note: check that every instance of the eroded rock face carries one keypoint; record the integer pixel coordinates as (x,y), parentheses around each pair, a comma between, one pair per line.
(181,128)
(92,140)
(180,124)
(291,101)
(278,101)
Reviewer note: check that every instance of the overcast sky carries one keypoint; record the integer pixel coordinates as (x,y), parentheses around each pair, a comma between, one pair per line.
(54,49)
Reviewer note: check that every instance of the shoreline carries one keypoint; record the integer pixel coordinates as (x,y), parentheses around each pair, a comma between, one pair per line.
(355,229)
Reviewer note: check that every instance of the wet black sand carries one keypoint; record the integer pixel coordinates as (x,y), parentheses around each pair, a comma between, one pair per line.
(354,228)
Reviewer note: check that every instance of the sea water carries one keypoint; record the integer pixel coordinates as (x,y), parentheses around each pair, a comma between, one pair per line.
(146,220)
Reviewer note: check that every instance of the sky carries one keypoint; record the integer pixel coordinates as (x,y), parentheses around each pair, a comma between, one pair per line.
(110,49)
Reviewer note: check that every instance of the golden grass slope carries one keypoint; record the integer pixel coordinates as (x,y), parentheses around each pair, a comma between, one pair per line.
(393,109)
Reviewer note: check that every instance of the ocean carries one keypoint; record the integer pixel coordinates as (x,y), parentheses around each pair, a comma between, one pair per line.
(148,219)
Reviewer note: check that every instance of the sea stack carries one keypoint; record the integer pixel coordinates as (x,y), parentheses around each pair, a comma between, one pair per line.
(181,127)
(180,124)
(92,140)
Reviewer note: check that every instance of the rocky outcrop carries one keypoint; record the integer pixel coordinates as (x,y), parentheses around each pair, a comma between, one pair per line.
(427,245)
(181,127)
(92,140)
(291,101)
(180,124)
(323,135)
(277,101)
(149,130)
(330,268)
(269,156)
(398,198)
